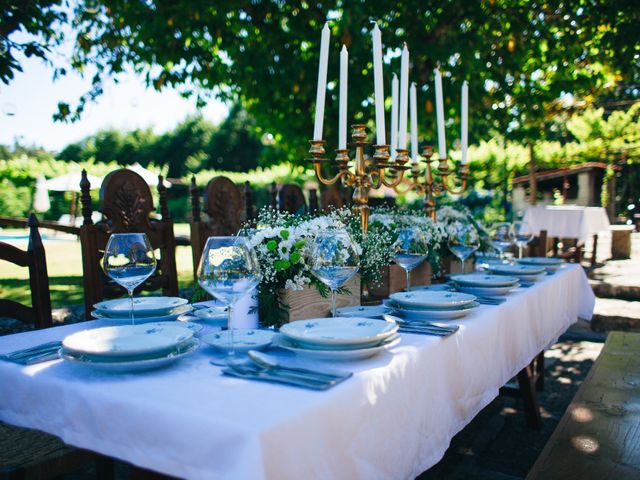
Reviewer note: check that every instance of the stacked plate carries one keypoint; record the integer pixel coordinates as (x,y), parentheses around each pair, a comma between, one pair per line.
(145,309)
(527,273)
(481,284)
(128,348)
(369,311)
(430,305)
(550,263)
(338,338)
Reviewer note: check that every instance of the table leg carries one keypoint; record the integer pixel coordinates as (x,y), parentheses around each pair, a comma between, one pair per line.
(529,397)
(594,251)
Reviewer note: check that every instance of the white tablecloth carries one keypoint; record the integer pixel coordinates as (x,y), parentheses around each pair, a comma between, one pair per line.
(567,221)
(393,419)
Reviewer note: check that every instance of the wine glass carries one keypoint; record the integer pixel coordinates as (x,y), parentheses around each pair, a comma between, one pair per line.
(502,237)
(410,250)
(334,260)
(228,270)
(523,234)
(463,241)
(129,261)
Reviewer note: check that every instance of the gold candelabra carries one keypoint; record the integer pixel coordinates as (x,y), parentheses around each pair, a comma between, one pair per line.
(426,184)
(365,174)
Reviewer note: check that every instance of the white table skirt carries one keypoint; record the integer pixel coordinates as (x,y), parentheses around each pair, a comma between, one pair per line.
(393,419)
(567,221)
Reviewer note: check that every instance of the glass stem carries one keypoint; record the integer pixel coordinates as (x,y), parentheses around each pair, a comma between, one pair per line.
(519,251)
(333,302)
(232,349)
(130,292)
(462,265)
(408,272)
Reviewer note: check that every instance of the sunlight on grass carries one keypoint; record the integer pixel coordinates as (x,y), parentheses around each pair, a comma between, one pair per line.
(64,266)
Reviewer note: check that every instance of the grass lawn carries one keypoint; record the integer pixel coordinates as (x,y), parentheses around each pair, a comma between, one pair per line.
(64,265)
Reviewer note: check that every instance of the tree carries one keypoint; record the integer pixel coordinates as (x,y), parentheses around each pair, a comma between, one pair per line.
(520,56)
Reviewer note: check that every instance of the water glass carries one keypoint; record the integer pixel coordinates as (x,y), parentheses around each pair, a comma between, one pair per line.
(502,237)
(523,234)
(228,270)
(129,261)
(334,260)
(410,250)
(463,241)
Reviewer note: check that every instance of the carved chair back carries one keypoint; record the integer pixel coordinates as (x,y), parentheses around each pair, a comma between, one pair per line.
(224,206)
(332,197)
(291,199)
(34,258)
(126,204)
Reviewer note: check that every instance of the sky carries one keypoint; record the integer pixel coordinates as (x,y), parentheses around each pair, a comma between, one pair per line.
(28,103)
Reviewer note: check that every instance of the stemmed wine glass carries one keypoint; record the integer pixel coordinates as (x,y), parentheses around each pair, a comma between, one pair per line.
(523,234)
(502,237)
(228,270)
(463,241)
(129,261)
(410,250)
(334,260)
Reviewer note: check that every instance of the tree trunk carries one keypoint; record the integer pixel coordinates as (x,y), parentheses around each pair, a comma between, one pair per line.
(533,194)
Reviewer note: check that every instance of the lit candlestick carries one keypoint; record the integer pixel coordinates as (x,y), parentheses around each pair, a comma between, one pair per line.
(465,121)
(322,83)
(442,146)
(394,116)
(404,97)
(342,123)
(378,85)
(414,124)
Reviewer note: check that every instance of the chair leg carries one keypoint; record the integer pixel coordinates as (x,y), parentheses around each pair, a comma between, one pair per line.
(529,398)
(540,371)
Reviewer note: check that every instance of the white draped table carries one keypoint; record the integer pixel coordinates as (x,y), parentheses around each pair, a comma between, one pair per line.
(393,419)
(567,221)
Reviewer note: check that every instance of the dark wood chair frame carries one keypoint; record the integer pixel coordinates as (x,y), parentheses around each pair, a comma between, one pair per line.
(226,205)
(34,258)
(126,203)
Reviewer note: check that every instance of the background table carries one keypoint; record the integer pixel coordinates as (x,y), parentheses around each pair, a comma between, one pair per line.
(393,419)
(567,221)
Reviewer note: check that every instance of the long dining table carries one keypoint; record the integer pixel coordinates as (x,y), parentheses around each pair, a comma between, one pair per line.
(393,419)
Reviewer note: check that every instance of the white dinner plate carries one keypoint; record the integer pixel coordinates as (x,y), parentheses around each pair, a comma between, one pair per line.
(142,306)
(211,313)
(244,339)
(436,314)
(429,299)
(541,261)
(339,332)
(517,270)
(193,327)
(484,280)
(369,311)
(436,287)
(336,355)
(180,351)
(126,340)
(144,319)
(487,291)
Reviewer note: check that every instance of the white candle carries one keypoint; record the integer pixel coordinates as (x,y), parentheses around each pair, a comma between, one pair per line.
(465,121)
(394,115)
(378,85)
(322,83)
(342,132)
(442,146)
(404,97)
(414,124)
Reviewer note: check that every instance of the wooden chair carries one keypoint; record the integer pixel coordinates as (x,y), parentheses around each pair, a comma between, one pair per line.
(223,205)
(34,258)
(26,453)
(126,203)
(291,199)
(538,247)
(335,197)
